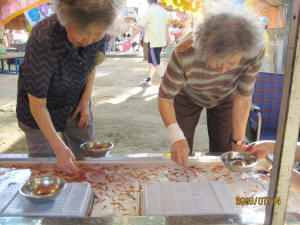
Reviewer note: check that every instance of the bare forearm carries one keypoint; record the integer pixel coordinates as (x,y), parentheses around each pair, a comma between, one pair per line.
(295,181)
(297,155)
(179,146)
(87,94)
(240,114)
(270,145)
(43,119)
(167,112)
(64,156)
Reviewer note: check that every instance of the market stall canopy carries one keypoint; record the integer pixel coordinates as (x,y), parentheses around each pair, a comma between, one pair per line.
(274,10)
(18,23)
(9,9)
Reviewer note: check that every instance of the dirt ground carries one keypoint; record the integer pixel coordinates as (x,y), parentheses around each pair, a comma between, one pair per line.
(124,112)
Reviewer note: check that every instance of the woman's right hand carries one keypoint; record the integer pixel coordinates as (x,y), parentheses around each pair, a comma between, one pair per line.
(180,152)
(66,160)
(64,156)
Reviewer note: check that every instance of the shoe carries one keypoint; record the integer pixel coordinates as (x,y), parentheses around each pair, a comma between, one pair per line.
(146,83)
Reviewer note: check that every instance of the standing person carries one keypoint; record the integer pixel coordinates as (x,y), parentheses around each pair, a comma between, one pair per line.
(155,22)
(214,68)
(111,42)
(56,79)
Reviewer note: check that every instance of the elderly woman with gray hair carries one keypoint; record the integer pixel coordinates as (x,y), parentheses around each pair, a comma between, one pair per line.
(56,78)
(214,67)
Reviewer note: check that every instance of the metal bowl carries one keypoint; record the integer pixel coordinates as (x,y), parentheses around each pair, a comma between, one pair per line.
(96,149)
(42,189)
(238,161)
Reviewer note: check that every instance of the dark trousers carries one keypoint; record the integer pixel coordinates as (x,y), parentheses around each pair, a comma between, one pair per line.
(219,122)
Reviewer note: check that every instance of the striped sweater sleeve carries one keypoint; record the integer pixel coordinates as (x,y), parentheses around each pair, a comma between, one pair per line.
(173,80)
(245,86)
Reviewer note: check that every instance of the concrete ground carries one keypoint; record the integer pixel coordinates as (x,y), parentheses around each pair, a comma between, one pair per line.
(124,112)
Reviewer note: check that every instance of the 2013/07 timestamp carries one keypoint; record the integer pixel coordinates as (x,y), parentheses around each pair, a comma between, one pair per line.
(257,200)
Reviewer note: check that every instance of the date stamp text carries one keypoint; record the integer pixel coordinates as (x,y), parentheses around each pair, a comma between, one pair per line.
(257,200)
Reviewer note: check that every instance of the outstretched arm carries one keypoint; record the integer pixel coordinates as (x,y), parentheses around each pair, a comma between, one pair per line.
(64,156)
(240,114)
(179,149)
(262,148)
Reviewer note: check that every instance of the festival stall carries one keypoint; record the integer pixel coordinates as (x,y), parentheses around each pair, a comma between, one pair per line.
(17,17)
(182,19)
(9,9)
(274,10)
(119,184)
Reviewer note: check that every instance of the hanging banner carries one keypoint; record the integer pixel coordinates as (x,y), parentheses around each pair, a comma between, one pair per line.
(37,14)
(192,7)
(10,9)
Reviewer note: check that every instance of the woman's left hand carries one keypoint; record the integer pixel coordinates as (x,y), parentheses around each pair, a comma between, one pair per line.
(85,115)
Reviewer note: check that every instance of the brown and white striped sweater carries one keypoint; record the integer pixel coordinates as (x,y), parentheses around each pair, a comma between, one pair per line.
(187,74)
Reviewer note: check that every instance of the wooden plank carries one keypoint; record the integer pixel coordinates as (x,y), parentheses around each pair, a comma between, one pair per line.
(288,127)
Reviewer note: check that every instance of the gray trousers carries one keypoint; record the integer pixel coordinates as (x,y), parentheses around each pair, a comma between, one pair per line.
(38,145)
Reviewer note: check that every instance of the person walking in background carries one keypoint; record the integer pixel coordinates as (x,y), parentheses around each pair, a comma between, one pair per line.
(56,79)
(155,21)
(111,42)
(214,67)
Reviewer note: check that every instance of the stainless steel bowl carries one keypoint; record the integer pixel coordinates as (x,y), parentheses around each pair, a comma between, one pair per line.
(96,148)
(238,161)
(42,189)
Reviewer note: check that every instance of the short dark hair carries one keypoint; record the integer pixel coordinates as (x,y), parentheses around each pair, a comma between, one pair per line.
(152,1)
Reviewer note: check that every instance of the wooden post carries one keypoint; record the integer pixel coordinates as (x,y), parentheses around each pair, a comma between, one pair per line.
(288,127)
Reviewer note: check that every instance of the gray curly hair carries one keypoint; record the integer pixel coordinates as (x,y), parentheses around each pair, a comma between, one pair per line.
(226,33)
(83,13)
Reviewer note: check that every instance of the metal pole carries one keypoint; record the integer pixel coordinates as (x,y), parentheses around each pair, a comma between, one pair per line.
(288,128)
